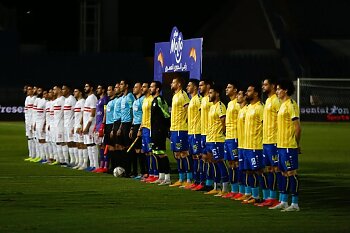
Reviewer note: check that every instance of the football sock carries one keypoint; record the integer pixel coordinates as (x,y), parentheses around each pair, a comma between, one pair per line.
(223,171)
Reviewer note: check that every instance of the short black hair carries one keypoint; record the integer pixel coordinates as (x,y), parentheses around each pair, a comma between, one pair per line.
(288,85)
(216,88)
(194,81)
(257,88)
(91,84)
(158,85)
(207,81)
(233,83)
(271,80)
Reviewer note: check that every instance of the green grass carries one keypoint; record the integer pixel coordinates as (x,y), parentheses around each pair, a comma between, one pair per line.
(42,198)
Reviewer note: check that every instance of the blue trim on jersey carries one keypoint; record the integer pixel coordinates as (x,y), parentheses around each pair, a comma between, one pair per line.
(110,112)
(217,149)
(287,159)
(270,154)
(179,141)
(253,159)
(146,140)
(194,141)
(231,151)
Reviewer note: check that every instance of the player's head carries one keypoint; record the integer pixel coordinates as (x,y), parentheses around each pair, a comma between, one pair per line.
(117,89)
(49,94)
(25,89)
(145,88)
(192,86)
(124,86)
(214,93)
(45,93)
(177,83)
(155,87)
(285,88)
(39,92)
(66,90)
(204,86)
(253,92)
(101,89)
(30,90)
(57,91)
(269,85)
(88,88)
(110,91)
(35,88)
(241,97)
(137,89)
(231,89)
(78,93)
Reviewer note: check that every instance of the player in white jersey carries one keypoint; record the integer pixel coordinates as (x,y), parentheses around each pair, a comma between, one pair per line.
(78,131)
(28,108)
(89,121)
(51,129)
(58,124)
(48,144)
(69,147)
(39,123)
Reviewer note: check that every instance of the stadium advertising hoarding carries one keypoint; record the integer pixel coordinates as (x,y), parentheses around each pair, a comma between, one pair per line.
(11,113)
(178,55)
(325,113)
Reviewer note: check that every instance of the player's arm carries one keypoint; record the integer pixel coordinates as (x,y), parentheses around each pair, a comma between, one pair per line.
(297,131)
(223,123)
(92,115)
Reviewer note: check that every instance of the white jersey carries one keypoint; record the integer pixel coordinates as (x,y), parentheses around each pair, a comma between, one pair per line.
(52,112)
(26,108)
(58,118)
(40,111)
(68,112)
(31,110)
(48,112)
(78,113)
(90,103)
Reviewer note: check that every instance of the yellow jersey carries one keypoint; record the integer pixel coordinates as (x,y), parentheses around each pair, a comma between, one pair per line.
(179,111)
(205,107)
(146,112)
(194,115)
(215,128)
(272,105)
(288,112)
(253,129)
(240,126)
(231,119)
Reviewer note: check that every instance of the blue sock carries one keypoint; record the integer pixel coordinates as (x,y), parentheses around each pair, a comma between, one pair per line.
(231,174)
(209,182)
(280,181)
(234,187)
(248,190)
(196,173)
(252,181)
(293,184)
(202,171)
(255,192)
(273,194)
(266,194)
(217,174)
(295,199)
(149,165)
(223,171)
(181,176)
(272,180)
(179,165)
(241,188)
(263,181)
(189,176)
(284,197)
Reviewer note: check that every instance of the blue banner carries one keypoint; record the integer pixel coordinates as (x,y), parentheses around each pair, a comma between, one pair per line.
(178,55)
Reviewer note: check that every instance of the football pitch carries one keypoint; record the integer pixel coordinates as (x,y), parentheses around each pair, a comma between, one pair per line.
(43,198)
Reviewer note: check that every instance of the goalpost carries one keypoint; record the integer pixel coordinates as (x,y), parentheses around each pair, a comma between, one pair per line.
(324,99)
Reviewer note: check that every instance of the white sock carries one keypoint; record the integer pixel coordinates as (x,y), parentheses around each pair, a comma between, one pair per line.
(37,150)
(30,147)
(89,150)
(85,157)
(41,150)
(65,154)
(60,154)
(161,176)
(225,186)
(71,155)
(95,156)
(50,149)
(55,152)
(80,157)
(75,153)
(167,177)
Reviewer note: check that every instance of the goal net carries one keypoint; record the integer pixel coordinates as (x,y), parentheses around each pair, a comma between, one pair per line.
(324,99)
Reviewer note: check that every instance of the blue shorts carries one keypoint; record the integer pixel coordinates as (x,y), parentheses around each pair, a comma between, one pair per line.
(253,159)
(241,159)
(217,149)
(146,140)
(231,151)
(203,144)
(270,154)
(179,141)
(287,159)
(194,141)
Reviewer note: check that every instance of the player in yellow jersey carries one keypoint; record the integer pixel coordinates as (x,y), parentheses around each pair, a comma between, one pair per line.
(145,133)
(216,140)
(271,108)
(179,131)
(253,134)
(244,190)
(206,175)
(194,129)
(288,138)
(231,142)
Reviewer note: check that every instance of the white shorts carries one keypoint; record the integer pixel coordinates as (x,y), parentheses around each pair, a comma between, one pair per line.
(98,140)
(68,135)
(39,133)
(29,132)
(59,135)
(88,138)
(79,138)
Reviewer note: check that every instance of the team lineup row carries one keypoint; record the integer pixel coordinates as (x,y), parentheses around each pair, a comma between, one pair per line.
(249,147)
